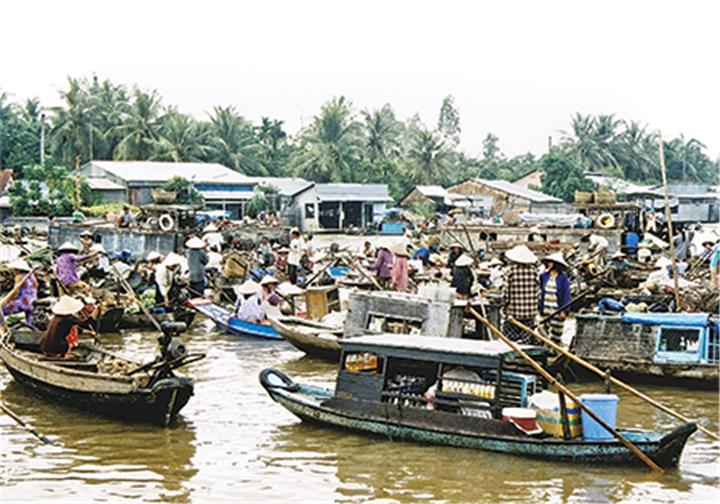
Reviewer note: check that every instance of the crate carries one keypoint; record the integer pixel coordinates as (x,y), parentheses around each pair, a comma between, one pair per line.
(604,197)
(321,300)
(516,388)
(583,197)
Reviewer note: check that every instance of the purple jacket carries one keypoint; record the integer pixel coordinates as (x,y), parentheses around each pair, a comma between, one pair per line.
(383,263)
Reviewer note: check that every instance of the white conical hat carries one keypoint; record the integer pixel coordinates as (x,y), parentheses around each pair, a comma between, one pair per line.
(210,228)
(67,306)
(269,279)
(153,256)
(463,260)
(521,254)
(19,264)
(68,247)
(195,243)
(557,258)
(172,259)
(399,249)
(248,287)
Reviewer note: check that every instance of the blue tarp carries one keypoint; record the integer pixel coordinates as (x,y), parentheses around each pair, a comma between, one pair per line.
(676,319)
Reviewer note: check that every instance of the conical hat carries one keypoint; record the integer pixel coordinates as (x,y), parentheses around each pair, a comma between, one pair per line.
(521,254)
(153,256)
(248,287)
(399,249)
(557,258)
(618,255)
(463,260)
(210,228)
(172,259)
(495,262)
(67,306)
(19,264)
(67,247)
(268,279)
(195,243)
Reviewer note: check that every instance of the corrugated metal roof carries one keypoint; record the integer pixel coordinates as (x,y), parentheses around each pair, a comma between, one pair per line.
(519,191)
(352,192)
(103,184)
(157,171)
(288,186)
(226,195)
(432,191)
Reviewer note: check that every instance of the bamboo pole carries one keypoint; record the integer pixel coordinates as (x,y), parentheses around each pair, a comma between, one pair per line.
(612,379)
(562,388)
(668,220)
(25,425)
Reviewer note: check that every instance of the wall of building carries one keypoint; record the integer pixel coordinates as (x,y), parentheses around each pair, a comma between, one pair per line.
(532,180)
(110,196)
(507,206)
(414,197)
(308,218)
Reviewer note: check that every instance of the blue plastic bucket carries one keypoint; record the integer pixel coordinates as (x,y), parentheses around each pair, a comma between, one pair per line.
(604,406)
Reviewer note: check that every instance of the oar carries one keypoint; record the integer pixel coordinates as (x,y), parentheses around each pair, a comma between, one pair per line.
(610,378)
(552,380)
(25,425)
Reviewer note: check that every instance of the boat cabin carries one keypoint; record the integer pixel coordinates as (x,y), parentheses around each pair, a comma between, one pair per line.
(470,377)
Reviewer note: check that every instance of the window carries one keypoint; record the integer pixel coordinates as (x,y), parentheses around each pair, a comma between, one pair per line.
(309,210)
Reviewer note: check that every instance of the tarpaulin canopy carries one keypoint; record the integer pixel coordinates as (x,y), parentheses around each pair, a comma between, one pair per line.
(676,319)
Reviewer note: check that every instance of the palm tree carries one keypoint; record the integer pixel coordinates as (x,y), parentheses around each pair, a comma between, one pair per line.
(382,133)
(591,139)
(429,157)
(331,146)
(110,106)
(140,126)
(181,139)
(635,152)
(72,126)
(233,142)
(273,143)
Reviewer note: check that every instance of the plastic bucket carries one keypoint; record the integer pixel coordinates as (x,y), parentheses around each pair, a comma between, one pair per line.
(604,406)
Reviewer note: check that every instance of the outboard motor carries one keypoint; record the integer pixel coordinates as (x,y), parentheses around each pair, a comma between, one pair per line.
(171,346)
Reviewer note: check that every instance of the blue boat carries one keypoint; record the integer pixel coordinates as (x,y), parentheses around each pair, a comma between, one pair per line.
(382,389)
(227,323)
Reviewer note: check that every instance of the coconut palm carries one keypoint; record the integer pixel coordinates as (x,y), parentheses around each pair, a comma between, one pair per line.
(181,139)
(72,126)
(428,157)
(233,142)
(140,126)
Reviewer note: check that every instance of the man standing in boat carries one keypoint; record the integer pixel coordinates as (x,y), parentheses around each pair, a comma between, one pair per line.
(521,292)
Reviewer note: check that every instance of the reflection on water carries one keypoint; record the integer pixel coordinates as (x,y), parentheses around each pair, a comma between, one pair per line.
(232,443)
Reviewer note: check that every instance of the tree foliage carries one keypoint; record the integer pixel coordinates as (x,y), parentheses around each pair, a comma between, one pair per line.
(49,189)
(562,175)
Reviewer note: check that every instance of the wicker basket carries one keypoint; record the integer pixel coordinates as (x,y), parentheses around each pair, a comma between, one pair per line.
(583,197)
(163,197)
(604,197)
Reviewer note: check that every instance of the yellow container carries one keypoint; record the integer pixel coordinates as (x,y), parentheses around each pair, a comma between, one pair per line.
(550,421)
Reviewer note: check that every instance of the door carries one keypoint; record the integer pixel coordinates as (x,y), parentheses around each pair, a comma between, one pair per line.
(353,214)
(329,215)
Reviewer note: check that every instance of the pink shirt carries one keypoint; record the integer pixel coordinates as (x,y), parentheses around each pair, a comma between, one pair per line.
(400,274)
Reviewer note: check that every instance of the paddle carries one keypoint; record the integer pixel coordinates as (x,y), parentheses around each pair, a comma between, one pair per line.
(610,378)
(25,425)
(562,388)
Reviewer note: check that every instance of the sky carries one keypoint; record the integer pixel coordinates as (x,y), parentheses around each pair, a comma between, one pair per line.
(518,69)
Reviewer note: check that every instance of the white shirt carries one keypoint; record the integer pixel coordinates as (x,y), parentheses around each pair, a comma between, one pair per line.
(214,239)
(598,243)
(296,251)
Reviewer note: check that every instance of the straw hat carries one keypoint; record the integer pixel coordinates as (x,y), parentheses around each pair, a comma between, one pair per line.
(464,260)
(557,258)
(19,265)
(521,254)
(495,262)
(399,249)
(248,287)
(210,228)
(85,234)
(67,247)
(456,244)
(535,230)
(153,256)
(195,243)
(268,280)
(618,255)
(172,259)
(67,306)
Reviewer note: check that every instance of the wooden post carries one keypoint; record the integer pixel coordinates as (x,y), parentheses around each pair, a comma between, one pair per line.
(562,388)
(668,220)
(610,378)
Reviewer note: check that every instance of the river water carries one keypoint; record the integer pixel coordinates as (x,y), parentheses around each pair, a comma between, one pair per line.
(234,444)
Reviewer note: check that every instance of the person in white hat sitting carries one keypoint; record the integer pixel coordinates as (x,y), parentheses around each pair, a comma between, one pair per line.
(62,332)
(213,237)
(25,291)
(66,267)
(521,291)
(197,258)
(269,294)
(249,305)
(555,293)
(167,275)
(462,276)
(618,270)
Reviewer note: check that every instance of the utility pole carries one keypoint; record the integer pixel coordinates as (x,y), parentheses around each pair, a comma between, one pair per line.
(42,138)
(668,221)
(549,143)
(77,182)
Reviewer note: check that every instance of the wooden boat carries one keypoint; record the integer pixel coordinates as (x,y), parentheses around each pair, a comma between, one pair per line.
(681,349)
(98,381)
(227,323)
(140,321)
(382,387)
(314,338)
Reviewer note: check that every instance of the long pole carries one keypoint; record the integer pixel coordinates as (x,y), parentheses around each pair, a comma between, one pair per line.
(25,425)
(562,388)
(668,220)
(610,378)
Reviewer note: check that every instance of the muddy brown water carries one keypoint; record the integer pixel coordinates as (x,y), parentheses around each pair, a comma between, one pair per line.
(233,444)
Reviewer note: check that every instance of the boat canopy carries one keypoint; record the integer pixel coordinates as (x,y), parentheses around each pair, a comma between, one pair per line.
(671,319)
(432,348)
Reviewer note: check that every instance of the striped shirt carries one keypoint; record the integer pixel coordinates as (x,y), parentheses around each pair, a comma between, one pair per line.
(521,291)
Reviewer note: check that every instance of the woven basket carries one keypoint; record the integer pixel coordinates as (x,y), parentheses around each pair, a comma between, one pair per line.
(161,196)
(604,197)
(583,197)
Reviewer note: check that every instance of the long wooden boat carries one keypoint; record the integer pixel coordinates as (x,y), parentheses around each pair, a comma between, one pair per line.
(679,349)
(314,338)
(225,321)
(140,321)
(98,381)
(382,386)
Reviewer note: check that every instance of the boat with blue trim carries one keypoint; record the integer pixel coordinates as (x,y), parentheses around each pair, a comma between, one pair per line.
(226,322)
(452,392)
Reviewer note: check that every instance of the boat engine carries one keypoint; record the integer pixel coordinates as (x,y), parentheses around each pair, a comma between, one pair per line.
(171,346)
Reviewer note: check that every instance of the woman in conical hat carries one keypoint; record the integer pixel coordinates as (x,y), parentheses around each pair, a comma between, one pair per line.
(25,289)
(555,293)
(462,276)
(62,332)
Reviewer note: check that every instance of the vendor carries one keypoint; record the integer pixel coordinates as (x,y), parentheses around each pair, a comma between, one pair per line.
(264,252)
(400,270)
(167,275)
(423,253)
(249,305)
(619,270)
(383,266)
(521,292)
(462,276)
(61,335)
(26,286)
(456,250)
(555,293)
(197,258)
(269,294)
(126,218)
(213,238)
(66,267)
